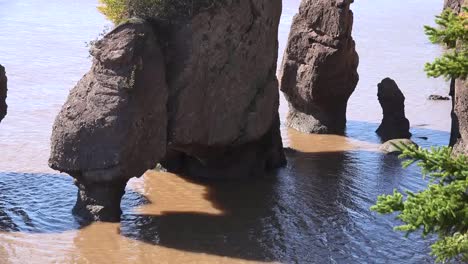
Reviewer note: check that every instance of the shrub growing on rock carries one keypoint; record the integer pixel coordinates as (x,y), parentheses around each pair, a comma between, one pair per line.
(120,10)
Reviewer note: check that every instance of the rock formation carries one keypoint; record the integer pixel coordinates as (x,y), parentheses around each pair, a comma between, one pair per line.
(394,123)
(3,93)
(319,70)
(199,95)
(113,125)
(436,97)
(393,146)
(459,94)
(455,5)
(460,113)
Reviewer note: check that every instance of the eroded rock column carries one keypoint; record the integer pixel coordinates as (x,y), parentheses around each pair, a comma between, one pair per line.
(224,96)
(114,124)
(394,124)
(3,93)
(319,70)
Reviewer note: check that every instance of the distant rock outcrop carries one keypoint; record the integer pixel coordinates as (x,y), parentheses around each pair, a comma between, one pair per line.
(394,146)
(394,123)
(3,93)
(199,95)
(319,70)
(436,97)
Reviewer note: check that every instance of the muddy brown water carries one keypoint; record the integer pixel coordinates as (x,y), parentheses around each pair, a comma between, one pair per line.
(315,210)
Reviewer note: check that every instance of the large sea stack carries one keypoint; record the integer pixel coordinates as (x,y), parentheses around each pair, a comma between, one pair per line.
(319,70)
(198,94)
(3,93)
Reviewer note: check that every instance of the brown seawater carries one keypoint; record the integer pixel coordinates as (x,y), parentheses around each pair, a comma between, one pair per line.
(315,210)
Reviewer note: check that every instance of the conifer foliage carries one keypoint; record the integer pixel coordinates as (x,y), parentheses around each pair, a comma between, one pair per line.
(453,33)
(442,208)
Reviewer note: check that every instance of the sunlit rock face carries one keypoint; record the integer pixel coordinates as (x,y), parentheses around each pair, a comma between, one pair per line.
(455,5)
(198,94)
(3,93)
(319,70)
(113,125)
(394,124)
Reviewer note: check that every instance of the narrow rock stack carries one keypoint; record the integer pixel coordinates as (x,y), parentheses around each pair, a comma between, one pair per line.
(394,124)
(199,95)
(3,93)
(319,70)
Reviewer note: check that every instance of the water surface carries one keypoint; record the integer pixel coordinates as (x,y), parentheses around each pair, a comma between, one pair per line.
(315,210)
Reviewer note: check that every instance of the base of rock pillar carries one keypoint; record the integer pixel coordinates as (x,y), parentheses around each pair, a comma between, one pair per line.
(249,160)
(99,201)
(314,123)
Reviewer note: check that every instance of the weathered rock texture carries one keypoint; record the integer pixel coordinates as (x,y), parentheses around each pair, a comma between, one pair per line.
(319,71)
(204,104)
(394,146)
(455,5)
(113,125)
(3,93)
(224,96)
(460,116)
(394,123)
(459,94)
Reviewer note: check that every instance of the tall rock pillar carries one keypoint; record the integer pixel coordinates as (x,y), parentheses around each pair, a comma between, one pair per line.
(319,70)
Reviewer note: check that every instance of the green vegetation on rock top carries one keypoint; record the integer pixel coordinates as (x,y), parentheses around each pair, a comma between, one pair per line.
(119,11)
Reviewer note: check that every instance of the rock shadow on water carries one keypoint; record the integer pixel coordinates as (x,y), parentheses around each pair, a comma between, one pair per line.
(316,210)
(42,203)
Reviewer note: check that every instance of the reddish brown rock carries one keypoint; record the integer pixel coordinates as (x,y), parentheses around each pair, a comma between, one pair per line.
(224,98)
(205,103)
(113,126)
(319,70)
